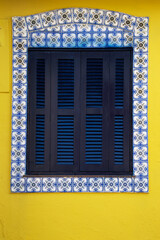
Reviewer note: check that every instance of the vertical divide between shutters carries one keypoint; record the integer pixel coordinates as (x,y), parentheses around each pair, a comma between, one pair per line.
(79,112)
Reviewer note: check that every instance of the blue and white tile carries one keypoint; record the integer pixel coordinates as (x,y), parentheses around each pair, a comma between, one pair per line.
(127,22)
(141,184)
(111,184)
(69,28)
(49,18)
(111,18)
(33,22)
(19,122)
(141,45)
(20,45)
(115,30)
(140,169)
(140,60)
(140,122)
(99,29)
(64,184)
(139,107)
(69,40)
(19,107)
(64,16)
(18,169)
(20,76)
(19,27)
(96,16)
(49,184)
(18,153)
(33,184)
(19,60)
(128,39)
(55,29)
(80,15)
(140,153)
(80,184)
(140,92)
(140,138)
(53,40)
(19,92)
(38,39)
(141,27)
(85,28)
(140,76)
(99,40)
(115,39)
(125,184)
(84,40)
(95,184)
(17,185)
(18,137)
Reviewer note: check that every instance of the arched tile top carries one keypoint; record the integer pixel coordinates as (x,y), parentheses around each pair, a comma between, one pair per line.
(80,27)
(82,16)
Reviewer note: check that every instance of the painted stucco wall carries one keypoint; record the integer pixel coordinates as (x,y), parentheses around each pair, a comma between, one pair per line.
(77,216)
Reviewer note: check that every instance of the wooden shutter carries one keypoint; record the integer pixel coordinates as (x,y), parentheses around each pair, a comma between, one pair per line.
(120,101)
(65,108)
(80,112)
(38,139)
(94,114)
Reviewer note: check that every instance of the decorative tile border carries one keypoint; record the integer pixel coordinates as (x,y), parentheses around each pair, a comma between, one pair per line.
(89,28)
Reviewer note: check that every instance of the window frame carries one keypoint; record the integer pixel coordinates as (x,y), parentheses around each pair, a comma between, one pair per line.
(129,31)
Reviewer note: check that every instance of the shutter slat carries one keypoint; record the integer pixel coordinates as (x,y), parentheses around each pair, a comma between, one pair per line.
(65,83)
(93,137)
(40,86)
(40,139)
(65,140)
(118,140)
(119,82)
(94,81)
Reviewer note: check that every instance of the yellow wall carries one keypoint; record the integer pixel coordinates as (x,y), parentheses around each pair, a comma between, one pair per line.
(76,216)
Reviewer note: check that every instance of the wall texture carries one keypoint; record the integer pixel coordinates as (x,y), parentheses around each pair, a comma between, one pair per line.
(76,216)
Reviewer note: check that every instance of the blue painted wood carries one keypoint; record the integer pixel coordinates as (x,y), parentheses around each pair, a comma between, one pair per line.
(40,83)
(118,140)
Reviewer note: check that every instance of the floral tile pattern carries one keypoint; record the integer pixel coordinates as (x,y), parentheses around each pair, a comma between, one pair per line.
(80,27)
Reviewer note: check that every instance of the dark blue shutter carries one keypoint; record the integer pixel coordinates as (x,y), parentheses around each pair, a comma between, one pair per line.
(94,104)
(38,141)
(121,113)
(65,108)
(79,112)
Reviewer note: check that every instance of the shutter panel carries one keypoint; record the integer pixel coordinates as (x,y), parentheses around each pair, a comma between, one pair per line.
(38,140)
(65,108)
(121,112)
(94,104)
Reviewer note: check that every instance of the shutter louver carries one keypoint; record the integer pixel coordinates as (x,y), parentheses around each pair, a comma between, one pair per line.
(119,83)
(93,139)
(40,83)
(65,83)
(65,140)
(94,82)
(118,140)
(40,139)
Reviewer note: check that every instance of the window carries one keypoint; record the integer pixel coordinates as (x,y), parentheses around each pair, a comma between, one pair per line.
(79,112)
